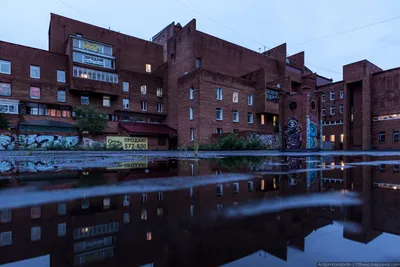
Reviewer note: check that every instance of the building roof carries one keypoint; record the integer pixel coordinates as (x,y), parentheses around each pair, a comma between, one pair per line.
(148,128)
(48,123)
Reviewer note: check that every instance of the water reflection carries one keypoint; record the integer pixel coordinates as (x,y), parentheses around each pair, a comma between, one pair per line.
(173,213)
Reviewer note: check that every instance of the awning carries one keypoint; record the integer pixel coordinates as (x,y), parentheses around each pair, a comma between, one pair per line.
(148,129)
(47,126)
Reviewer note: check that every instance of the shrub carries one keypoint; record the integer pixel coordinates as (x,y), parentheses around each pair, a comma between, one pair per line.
(254,143)
(208,147)
(88,119)
(231,142)
(4,122)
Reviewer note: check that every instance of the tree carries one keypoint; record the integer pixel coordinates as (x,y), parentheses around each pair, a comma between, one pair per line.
(88,119)
(4,122)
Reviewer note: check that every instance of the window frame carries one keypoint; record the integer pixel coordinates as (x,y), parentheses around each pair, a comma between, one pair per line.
(236,93)
(237,115)
(85,96)
(31,96)
(37,230)
(250,116)
(323,97)
(2,237)
(148,68)
(107,98)
(143,89)
(32,71)
(125,86)
(159,107)
(61,72)
(191,113)
(219,92)
(65,95)
(382,140)
(160,92)
(341,108)
(341,94)
(330,110)
(332,95)
(192,134)
(5,62)
(216,115)
(395,133)
(249,99)
(126,103)
(143,105)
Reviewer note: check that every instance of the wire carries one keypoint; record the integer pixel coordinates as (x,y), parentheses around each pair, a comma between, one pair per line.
(346,31)
(45,40)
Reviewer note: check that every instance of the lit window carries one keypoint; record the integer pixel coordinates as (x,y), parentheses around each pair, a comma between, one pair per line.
(262,184)
(262,119)
(323,138)
(143,89)
(60,76)
(35,72)
(235,114)
(35,233)
(250,100)
(143,215)
(5,238)
(191,92)
(191,113)
(219,114)
(274,182)
(323,97)
(125,86)
(95,75)
(159,107)
(126,217)
(250,186)
(341,108)
(274,120)
(342,138)
(106,203)
(198,62)
(235,188)
(332,95)
(395,136)
(62,209)
(144,198)
(160,196)
(219,93)
(106,101)
(341,94)
(382,136)
(332,138)
(148,68)
(191,134)
(62,229)
(36,212)
(85,204)
(219,190)
(127,201)
(219,131)
(148,236)
(85,99)
(250,117)
(159,92)
(61,95)
(35,92)
(160,212)
(235,97)
(143,105)
(332,110)
(5,67)
(125,103)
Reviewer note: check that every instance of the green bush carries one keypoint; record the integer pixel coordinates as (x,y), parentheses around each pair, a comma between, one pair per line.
(4,122)
(231,142)
(254,143)
(209,147)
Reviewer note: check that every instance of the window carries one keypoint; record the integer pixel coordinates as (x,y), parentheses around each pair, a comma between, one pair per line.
(35,72)
(323,112)
(126,217)
(159,107)
(250,186)
(125,86)
(5,67)
(92,47)
(219,93)
(219,114)
(191,192)
(382,167)
(160,212)
(262,119)
(274,120)
(125,103)
(35,233)
(341,138)
(198,63)
(218,131)
(143,215)
(396,167)
(235,130)
(62,229)
(332,110)
(143,105)
(323,97)
(250,117)
(332,138)
(191,92)
(62,209)
(161,141)
(160,196)
(262,184)
(60,76)
(341,108)
(5,238)
(106,203)
(85,99)
(332,95)
(191,210)
(143,89)
(61,95)
(85,204)
(382,136)
(106,101)
(36,212)
(84,58)
(341,94)
(250,100)
(159,92)
(235,203)
(272,95)
(220,207)
(219,190)
(235,188)
(144,198)
(191,113)
(148,236)
(96,75)
(127,201)
(96,230)
(191,134)
(395,136)
(5,89)
(323,138)
(148,68)
(235,97)
(35,93)
(235,116)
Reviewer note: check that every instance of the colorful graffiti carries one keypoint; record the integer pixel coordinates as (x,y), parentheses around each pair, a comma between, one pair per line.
(272,141)
(293,134)
(10,141)
(312,174)
(312,132)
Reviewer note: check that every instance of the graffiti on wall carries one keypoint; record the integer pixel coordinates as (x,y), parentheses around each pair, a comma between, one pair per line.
(312,174)
(26,166)
(312,132)
(293,134)
(9,141)
(272,141)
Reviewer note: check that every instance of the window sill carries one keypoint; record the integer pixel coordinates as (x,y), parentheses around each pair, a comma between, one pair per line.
(219,119)
(235,121)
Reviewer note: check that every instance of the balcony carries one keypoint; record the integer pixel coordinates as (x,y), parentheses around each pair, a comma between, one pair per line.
(95,86)
(272,106)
